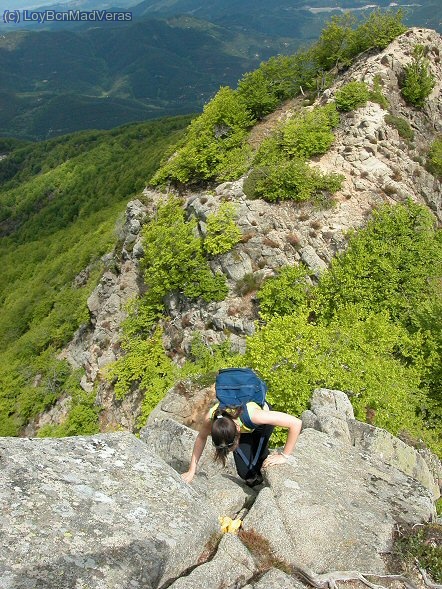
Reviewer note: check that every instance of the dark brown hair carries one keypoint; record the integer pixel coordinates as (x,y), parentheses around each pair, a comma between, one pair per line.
(225,434)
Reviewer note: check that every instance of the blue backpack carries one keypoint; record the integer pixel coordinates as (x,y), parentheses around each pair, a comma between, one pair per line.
(235,387)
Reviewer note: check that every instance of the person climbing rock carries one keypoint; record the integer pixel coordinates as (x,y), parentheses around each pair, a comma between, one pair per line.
(242,422)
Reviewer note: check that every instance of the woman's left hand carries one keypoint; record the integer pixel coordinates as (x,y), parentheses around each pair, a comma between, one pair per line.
(274,459)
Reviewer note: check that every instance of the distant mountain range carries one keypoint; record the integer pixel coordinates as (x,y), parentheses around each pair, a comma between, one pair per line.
(55,82)
(170,59)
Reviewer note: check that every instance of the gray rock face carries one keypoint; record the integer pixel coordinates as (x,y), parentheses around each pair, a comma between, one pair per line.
(110,512)
(232,567)
(331,412)
(312,260)
(337,506)
(99,512)
(396,453)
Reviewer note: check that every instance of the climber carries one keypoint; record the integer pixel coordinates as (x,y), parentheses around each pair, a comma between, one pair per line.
(244,428)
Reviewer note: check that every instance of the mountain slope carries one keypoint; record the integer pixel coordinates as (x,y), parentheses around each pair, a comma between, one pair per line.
(367,312)
(60,202)
(298,18)
(368,326)
(112,75)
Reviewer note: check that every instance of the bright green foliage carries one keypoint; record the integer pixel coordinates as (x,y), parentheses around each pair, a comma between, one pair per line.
(270,151)
(145,365)
(21,399)
(340,42)
(292,180)
(387,265)
(424,544)
(378,330)
(220,128)
(418,81)
(222,232)
(376,94)
(280,171)
(427,318)
(82,418)
(257,91)
(352,96)
(310,133)
(279,78)
(234,162)
(434,161)
(173,262)
(55,231)
(305,135)
(285,293)
(394,265)
(204,361)
(174,258)
(378,30)
(352,354)
(401,125)
(334,47)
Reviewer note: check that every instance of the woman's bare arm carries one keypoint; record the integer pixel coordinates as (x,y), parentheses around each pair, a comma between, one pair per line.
(292,423)
(198,448)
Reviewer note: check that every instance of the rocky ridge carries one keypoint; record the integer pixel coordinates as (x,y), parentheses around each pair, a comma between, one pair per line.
(379,167)
(111,511)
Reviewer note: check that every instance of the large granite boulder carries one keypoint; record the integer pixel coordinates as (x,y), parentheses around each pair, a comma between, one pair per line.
(100,512)
(331,412)
(397,453)
(334,507)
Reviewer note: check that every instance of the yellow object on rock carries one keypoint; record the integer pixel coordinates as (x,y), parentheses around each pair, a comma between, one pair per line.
(229,525)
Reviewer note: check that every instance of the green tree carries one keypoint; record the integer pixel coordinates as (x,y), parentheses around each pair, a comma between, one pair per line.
(378,30)
(284,294)
(418,81)
(388,265)
(293,180)
(358,355)
(222,233)
(352,96)
(220,128)
(310,133)
(333,46)
(174,258)
(257,90)
(434,162)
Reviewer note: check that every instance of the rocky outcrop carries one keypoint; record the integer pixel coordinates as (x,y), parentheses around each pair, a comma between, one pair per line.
(97,344)
(346,521)
(112,512)
(99,512)
(331,412)
(376,161)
